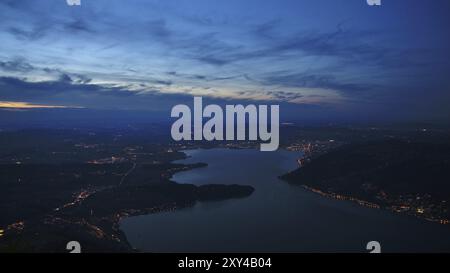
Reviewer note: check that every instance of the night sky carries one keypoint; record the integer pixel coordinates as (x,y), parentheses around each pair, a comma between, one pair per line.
(316,58)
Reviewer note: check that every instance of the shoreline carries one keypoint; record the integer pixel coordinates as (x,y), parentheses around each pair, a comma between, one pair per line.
(368,204)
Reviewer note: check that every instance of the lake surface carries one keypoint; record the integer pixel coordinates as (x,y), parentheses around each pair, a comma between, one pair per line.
(277,217)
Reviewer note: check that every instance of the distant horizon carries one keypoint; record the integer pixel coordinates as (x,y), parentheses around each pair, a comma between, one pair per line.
(90,118)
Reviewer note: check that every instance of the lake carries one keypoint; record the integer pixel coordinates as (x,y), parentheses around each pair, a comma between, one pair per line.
(277,217)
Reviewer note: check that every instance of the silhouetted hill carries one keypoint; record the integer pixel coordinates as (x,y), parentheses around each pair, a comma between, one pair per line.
(387,173)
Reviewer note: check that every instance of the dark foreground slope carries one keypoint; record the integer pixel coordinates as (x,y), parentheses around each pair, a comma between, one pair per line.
(404,176)
(43,215)
(95,221)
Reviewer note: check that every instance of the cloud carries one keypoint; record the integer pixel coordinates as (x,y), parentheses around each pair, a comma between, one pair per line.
(158,28)
(162,82)
(26,105)
(305,80)
(267,30)
(78,25)
(35,33)
(69,92)
(17,65)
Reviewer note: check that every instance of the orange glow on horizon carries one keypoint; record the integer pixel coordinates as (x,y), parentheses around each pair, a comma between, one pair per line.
(26,105)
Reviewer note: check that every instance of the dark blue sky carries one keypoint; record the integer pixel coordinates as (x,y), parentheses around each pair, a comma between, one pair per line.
(316,58)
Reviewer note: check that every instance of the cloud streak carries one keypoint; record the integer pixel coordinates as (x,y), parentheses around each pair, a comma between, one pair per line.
(26,105)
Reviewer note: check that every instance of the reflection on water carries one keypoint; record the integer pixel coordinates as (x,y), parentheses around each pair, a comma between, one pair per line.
(277,217)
